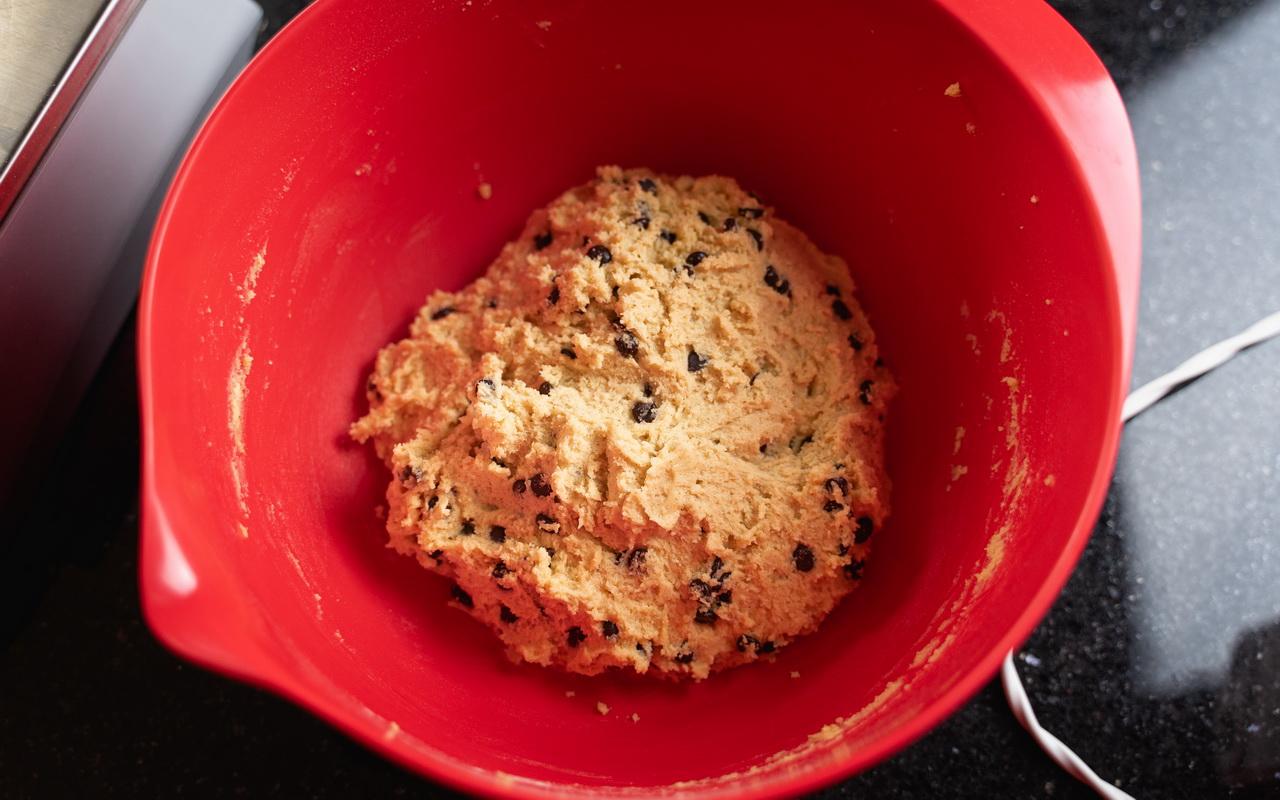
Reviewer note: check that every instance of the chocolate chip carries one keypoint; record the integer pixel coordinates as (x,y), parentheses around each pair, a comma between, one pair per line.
(775,281)
(485,383)
(648,185)
(643,222)
(498,534)
(436,555)
(751,213)
(855,343)
(576,636)
(803,557)
(841,310)
(706,616)
(684,658)
(864,392)
(410,473)
(499,462)
(833,290)
(600,253)
(747,641)
(506,615)
(842,549)
(547,523)
(539,486)
(431,502)
(647,390)
(500,570)
(492,302)
(839,482)
(551,552)
(832,505)
(692,260)
(702,215)
(568,352)
(668,237)
(717,565)
(730,223)
(644,411)
(752,382)
(544,387)
(696,362)
(640,648)
(468,528)
(764,446)
(627,344)
(541,241)
(853,570)
(609,628)
(865,527)
(701,587)
(461,596)
(755,234)
(518,486)
(441,313)
(553,296)
(636,558)
(725,597)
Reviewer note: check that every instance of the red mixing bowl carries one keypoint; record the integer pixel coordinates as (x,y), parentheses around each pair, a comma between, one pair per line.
(992,229)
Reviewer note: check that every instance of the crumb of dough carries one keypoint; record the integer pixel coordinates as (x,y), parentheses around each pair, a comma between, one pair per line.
(602,708)
(952,90)
(795,674)
(485,190)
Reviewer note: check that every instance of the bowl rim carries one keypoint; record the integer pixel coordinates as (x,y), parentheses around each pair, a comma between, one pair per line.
(1018,34)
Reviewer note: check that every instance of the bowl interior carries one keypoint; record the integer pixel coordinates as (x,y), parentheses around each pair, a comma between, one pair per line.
(337,186)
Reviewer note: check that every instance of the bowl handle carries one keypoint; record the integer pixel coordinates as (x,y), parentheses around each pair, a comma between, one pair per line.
(199,616)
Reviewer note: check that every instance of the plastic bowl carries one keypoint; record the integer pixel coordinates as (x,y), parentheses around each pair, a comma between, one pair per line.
(993,234)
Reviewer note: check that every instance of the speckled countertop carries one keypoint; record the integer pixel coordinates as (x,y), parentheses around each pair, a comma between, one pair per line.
(1160,663)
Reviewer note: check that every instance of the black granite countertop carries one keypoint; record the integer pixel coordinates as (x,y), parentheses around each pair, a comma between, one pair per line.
(1160,662)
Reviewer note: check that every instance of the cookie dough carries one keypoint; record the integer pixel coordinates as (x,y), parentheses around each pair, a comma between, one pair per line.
(650,436)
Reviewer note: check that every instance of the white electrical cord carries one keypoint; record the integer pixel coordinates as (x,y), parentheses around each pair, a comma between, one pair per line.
(1208,359)
(1139,400)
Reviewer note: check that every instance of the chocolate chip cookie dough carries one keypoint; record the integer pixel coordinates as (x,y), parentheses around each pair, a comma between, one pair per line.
(650,436)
